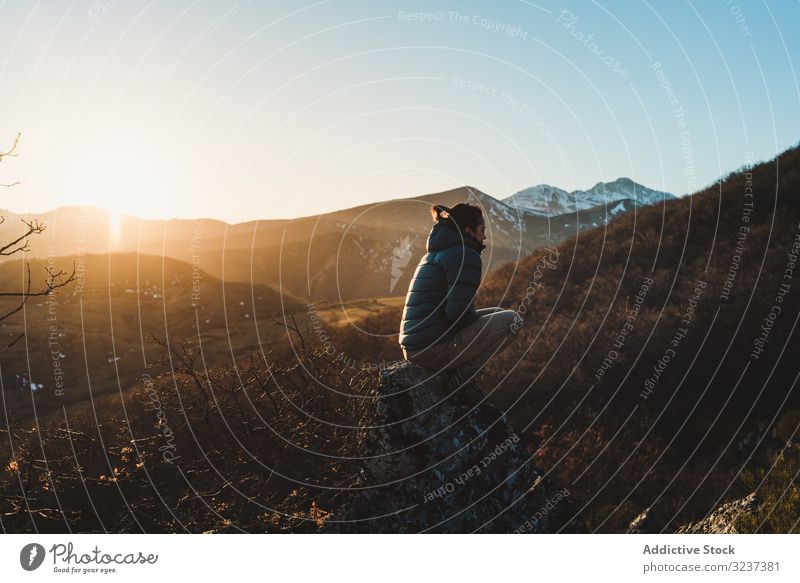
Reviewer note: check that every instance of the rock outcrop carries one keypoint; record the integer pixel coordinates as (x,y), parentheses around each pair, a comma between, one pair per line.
(439,458)
(722,520)
(642,524)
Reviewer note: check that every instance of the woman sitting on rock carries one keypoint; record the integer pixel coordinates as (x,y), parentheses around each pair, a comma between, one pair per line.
(441,329)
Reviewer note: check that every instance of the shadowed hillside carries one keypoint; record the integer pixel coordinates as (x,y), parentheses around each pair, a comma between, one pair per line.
(656,362)
(657,355)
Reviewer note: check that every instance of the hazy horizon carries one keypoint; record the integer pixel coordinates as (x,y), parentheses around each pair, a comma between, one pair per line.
(377,200)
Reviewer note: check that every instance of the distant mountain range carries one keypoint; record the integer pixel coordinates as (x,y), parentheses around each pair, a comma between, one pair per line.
(361,252)
(550,201)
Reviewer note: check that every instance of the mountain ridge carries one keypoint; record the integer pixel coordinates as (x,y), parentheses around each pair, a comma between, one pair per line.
(376,245)
(552,201)
(465,190)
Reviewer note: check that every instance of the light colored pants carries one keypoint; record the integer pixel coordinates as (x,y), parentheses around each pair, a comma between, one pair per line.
(472,345)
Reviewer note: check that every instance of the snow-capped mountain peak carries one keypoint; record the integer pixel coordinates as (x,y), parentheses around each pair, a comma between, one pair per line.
(547,200)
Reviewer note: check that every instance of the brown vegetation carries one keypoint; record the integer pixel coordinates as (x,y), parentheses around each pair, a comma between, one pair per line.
(578,376)
(260,447)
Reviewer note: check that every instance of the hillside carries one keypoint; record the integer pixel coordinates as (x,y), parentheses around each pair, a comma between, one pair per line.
(656,358)
(93,337)
(664,407)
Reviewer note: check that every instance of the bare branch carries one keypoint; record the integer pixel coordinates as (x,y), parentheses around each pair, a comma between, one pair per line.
(294,328)
(11,153)
(55,280)
(33,228)
(13,342)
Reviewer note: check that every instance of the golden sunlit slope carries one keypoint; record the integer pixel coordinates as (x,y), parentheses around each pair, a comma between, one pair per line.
(94,332)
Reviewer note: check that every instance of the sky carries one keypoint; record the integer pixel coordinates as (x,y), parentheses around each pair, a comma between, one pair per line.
(263,110)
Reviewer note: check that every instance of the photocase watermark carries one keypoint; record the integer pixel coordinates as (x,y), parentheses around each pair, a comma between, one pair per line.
(738,15)
(478,87)
(535,285)
(329,349)
(161,426)
(741,237)
(540,514)
(401,255)
(376,366)
(625,330)
(568,20)
(31,556)
(674,344)
(54,333)
(768,323)
(489,24)
(80,258)
(65,554)
(100,8)
(523,109)
(689,167)
(476,470)
(67,560)
(322,335)
(194,247)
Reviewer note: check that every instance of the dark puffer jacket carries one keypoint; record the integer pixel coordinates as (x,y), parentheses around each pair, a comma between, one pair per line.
(441,293)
